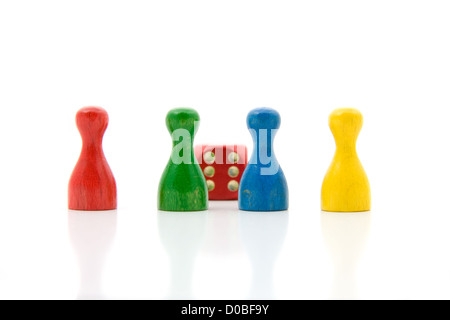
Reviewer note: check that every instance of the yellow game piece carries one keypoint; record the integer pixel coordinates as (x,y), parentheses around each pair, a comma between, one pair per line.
(346,186)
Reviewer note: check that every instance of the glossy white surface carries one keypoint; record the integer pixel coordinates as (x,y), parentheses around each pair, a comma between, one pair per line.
(223,254)
(138,59)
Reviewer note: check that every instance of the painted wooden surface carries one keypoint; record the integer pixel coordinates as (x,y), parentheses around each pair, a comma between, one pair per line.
(263,185)
(182,186)
(223,166)
(92,186)
(346,186)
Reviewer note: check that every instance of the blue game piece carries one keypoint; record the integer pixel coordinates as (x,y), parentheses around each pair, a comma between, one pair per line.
(263,185)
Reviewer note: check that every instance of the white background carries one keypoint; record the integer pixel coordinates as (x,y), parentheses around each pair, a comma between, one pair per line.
(139,59)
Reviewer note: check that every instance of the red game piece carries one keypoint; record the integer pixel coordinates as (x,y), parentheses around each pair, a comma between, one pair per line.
(222,166)
(92,186)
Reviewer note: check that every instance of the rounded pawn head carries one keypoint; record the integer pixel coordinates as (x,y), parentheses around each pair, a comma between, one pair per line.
(345,124)
(263,118)
(182,118)
(92,121)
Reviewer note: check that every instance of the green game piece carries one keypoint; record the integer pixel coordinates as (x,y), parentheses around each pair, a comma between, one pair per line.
(182,186)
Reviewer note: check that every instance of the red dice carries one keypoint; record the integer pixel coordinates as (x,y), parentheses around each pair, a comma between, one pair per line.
(222,166)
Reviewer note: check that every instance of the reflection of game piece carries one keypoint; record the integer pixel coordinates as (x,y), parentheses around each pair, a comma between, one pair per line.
(91,235)
(222,166)
(92,186)
(263,184)
(182,235)
(262,235)
(182,186)
(345,236)
(346,186)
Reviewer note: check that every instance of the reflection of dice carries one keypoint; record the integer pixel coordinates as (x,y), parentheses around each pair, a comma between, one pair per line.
(222,166)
